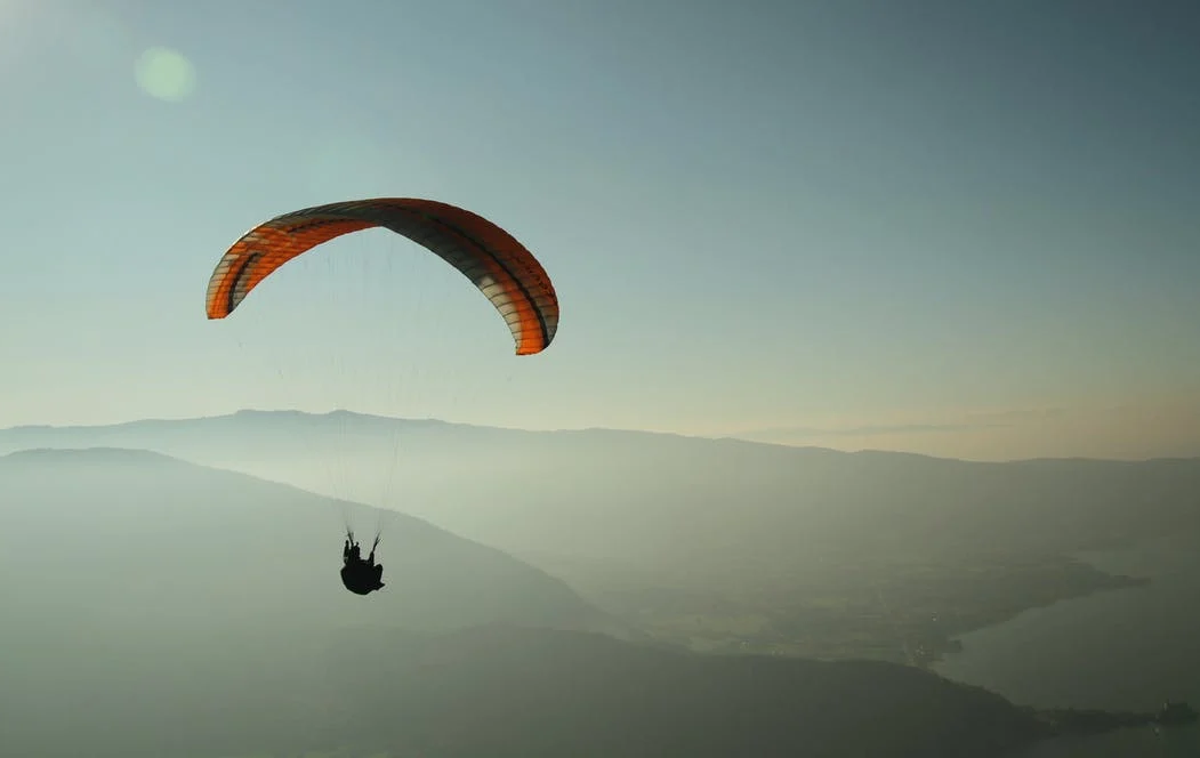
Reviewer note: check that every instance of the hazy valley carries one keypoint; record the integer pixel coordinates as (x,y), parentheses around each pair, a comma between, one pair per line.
(719,544)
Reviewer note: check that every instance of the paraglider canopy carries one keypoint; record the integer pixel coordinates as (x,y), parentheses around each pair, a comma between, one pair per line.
(495,262)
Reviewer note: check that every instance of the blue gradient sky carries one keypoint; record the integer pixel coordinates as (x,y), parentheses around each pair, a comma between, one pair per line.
(863,224)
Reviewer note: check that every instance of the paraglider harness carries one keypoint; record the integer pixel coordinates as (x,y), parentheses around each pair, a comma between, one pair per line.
(361,577)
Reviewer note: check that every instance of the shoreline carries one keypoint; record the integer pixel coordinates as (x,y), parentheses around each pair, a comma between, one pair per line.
(953,644)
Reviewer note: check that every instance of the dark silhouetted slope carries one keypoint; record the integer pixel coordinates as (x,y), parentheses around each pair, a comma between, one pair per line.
(507,692)
(499,692)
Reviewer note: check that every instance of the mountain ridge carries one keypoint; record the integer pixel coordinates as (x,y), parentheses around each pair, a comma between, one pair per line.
(429,422)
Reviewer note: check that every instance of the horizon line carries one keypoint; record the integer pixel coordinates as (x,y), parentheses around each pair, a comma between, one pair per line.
(728,437)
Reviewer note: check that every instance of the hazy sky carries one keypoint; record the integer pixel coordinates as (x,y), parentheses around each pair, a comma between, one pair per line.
(864,223)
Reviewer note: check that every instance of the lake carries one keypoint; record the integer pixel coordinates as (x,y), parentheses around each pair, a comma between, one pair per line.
(1127,649)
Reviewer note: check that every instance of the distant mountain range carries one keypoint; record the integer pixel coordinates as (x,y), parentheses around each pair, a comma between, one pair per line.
(716,544)
(653,504)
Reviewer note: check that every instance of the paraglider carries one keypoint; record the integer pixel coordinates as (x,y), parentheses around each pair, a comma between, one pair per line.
(359,576)
(507,274)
